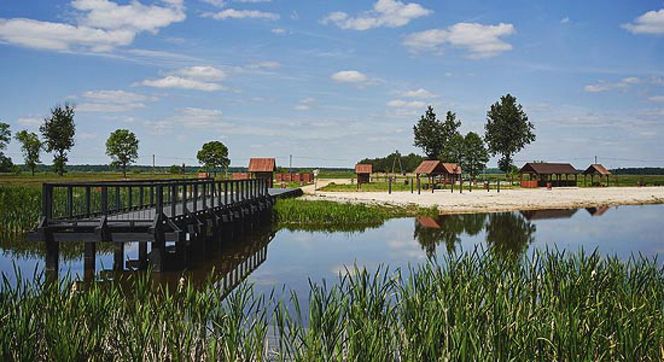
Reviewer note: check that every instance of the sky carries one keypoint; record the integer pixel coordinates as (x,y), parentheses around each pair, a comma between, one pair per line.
(333,82)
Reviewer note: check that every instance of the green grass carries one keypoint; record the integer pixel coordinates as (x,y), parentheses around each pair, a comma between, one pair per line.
(337,216)
(551,306)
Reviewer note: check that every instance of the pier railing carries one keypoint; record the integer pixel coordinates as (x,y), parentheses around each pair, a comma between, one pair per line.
(141,200)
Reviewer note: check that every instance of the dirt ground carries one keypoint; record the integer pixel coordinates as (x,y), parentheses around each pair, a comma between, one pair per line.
(506,200)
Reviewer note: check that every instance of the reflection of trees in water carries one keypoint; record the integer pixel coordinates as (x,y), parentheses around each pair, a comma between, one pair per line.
(509,234)
(446,229)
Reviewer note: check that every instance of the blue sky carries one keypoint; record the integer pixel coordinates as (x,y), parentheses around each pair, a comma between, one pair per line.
(331,82)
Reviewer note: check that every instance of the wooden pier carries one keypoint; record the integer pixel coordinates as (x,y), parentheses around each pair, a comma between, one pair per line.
(181,211)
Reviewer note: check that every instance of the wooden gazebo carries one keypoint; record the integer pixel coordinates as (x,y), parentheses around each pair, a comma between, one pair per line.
(363,172)
(539,174)
(438,171)
(263,168)
(599,170)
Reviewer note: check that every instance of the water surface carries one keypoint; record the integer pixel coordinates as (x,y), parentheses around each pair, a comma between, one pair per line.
(272,257)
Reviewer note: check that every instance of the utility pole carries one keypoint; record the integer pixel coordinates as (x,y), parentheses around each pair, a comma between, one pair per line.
(595,159)
(290,163)
(153,164)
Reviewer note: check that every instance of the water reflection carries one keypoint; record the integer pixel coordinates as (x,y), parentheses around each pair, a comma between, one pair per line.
(508,233)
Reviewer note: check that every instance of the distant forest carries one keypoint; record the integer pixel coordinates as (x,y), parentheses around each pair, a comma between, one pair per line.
(384,164)
(638,171)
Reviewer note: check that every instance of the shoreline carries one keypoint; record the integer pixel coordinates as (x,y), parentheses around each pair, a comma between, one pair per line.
(506,200)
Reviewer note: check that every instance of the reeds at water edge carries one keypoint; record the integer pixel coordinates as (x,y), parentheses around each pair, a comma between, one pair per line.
(550,305)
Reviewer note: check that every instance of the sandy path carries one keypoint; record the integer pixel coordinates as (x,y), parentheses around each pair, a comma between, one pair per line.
(507,200)
(309,189)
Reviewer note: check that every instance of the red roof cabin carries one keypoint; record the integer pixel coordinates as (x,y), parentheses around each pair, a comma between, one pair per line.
(598,170)
(263,168)
(539,174)
(363,172)
(438,171)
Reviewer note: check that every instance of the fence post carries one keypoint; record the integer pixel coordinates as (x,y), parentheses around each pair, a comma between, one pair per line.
(70,201)
(389,185)
(47,202)
(174,199)
(87,201)
(194,191)
(160,199)
(104,200)
(225,193)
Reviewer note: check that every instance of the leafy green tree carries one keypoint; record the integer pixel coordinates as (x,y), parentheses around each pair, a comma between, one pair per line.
(122,147)
(31,147)
(6,164)
(175,170)
(58,131)
(433,135)
(213,155)
(475,154)
(455,150)
(507,130)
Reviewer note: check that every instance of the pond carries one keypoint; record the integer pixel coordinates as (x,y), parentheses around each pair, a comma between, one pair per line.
(271,257)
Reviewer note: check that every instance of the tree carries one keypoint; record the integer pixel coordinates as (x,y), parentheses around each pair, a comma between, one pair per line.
(213,155)
(58,132)
(6,164)
(507,130)
(31,147)
(455,150)
(175,170)
(475,154)
(432,135)
(122,147)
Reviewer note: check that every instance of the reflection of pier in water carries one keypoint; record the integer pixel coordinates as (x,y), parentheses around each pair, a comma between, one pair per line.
(548,214)
(227,260)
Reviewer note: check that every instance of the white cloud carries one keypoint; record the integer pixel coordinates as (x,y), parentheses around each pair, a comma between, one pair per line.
(349,76)
(651,22)
(242,14)
(565,20)
(217,3)
(202,78)
(265,65)
(419,93)
(481,41)
(101,26)
(398,103)
(656,99)
(33,122)
(389,13)
(603,86)
(203,73)
(279,31)
(173,81)
(112,101)
(305,104)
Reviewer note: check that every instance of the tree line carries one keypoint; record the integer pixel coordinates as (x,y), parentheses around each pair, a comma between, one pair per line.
(394,162)
(507,131)
(57,137)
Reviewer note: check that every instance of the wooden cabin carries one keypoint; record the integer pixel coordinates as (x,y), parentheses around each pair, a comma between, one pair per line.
(598,170)
(539,174)
(363,172)
(263,168)
(438,171)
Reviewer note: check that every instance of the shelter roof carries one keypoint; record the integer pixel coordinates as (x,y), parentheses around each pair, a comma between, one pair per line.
(543,168)
(262,165)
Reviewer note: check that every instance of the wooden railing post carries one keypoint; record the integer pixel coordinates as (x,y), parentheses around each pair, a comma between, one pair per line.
(70,201)
(174,199)
(87,201)
(225,192)
(47,202)
(104,200)
(160,199)
(195,196)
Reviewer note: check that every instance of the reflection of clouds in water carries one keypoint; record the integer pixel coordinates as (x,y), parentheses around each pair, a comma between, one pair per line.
(404,247)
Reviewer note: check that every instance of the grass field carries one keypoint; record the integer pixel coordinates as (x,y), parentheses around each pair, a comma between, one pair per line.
(476,306)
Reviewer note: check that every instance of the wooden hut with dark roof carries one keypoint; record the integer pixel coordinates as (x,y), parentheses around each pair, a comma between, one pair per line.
(263,168)
(363,172)
(438,171)
(599,170)
(539,174)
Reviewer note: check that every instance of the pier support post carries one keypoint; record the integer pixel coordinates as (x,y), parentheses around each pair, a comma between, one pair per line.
(143,254)
(158,253)
(52,257)
(89,261)
(118,257)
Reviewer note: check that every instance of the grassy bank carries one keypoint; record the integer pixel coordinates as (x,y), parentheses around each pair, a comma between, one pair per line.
(318,214)
(552,306)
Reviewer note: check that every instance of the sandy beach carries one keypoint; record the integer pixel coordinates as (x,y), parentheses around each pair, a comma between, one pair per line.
(506,200)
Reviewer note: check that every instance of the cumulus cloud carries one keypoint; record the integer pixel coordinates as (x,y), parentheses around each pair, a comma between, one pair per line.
(603,86)
(349,76)
(651,22)
(388,13)
(399,103)
(101,26)
(242,14)
(202,78)
(32,122)
(112,101)
(481,41)
(656,99)
(419,93)
(278,31)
